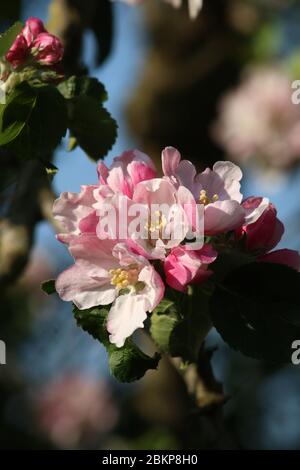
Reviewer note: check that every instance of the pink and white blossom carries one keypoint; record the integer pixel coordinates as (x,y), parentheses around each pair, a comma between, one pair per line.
(75,213)
(126,171)
(166,223)
(217,189)
(114,258)
(107,273)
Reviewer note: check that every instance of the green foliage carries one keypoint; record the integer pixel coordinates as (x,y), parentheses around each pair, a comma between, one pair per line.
(256,310)
(15,114)
(128,363)
(36,117)
(83,86)
(179,328)
(49,287)
(163,322)
(33,121)
(48,122)
(7,39)
(91,125)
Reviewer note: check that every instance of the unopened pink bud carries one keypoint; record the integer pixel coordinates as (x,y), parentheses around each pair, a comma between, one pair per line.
(47,49)
(33,27)
(18,52)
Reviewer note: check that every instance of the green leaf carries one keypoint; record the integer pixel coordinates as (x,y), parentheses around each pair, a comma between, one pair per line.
(7,39)
(256,310)
(15,114)
(79,86)
(163,321)
(33,121)
(180,328)
(48,121)
(128,363)
(92,126)
(189,334)
(49,287)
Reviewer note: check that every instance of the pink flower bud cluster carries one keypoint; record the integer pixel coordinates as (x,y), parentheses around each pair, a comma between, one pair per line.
(35,44)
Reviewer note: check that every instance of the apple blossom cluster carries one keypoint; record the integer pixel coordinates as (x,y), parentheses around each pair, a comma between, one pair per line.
(131,272)
(194,5)
(35,44)
(274,138)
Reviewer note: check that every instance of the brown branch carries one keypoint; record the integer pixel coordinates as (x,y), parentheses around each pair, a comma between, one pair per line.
(18,226)
(207,400)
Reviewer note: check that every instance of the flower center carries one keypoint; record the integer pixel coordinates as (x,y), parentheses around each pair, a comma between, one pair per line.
(204,199)
(126,277)
(155,227)
(157,224)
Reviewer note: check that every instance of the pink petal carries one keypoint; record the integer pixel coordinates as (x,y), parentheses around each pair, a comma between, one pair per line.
(170,161)
(223,216)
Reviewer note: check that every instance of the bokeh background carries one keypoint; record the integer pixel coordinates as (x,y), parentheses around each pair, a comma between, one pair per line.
(209,87)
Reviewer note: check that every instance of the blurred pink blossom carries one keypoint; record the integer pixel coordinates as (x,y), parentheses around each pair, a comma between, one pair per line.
(258,119)
(74,408)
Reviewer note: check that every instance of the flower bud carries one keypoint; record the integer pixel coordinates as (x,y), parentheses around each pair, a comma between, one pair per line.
(47,49)
(18,52)
(264,234)
(33,27)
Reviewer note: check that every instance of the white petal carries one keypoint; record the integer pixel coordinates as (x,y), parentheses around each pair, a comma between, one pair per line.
(154,287)
(75,285)
(126,315)
(231,174)
(252,215)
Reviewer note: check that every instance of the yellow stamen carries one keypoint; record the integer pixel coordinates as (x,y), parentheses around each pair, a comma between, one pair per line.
(158,224)
(122,278)
(204,199)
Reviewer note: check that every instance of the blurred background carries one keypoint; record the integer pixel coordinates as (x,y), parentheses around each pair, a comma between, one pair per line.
(216,88)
